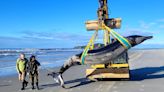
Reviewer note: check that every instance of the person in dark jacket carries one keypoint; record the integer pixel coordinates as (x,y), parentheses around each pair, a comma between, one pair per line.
(33,71)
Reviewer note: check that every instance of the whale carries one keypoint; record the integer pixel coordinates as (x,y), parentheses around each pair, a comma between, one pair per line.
(106,54)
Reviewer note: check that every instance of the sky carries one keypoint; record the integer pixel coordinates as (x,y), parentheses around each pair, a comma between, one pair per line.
(61,23)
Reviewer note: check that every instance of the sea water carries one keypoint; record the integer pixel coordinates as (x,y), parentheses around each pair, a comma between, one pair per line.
(48,58)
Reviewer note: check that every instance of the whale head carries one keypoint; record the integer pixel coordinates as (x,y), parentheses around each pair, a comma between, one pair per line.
(137,39)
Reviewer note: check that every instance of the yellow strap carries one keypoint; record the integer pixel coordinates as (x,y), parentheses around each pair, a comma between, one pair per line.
(87,47)
(110,30)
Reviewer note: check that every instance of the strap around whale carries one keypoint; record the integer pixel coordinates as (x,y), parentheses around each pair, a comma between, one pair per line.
(85,52)
(120,38)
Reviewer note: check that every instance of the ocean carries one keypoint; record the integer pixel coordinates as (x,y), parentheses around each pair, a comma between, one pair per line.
(48,58)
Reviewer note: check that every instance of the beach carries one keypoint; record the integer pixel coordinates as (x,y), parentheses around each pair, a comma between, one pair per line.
(146,69)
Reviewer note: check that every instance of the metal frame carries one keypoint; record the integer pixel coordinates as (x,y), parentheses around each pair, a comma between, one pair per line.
(113,70)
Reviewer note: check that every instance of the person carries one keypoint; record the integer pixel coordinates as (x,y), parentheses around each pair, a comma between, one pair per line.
(21,66)
(33,71)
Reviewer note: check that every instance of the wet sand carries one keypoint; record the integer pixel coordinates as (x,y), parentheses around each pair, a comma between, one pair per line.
(147,75)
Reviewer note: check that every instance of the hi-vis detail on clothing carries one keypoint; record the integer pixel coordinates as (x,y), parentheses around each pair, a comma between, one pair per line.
(21,64)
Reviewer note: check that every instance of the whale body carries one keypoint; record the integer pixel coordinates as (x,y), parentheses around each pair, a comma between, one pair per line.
(110,52)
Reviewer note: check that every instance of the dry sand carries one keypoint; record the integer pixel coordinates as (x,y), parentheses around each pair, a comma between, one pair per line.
(147,75)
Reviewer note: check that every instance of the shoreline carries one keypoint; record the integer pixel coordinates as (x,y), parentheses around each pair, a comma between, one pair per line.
(55,67)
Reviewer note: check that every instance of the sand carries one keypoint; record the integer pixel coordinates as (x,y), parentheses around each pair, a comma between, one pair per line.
(147,75)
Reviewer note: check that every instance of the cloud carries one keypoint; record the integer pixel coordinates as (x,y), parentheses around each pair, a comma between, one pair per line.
(145,28)
(30,39)
(161,26)
(8,38)
(13,42)
(154,28)
(37,35)
(55,36)
(136,32)
(145,25)
(160,20)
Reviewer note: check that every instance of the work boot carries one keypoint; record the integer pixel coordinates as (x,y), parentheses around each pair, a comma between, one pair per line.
(37,85)
(32,84)
(23,85)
